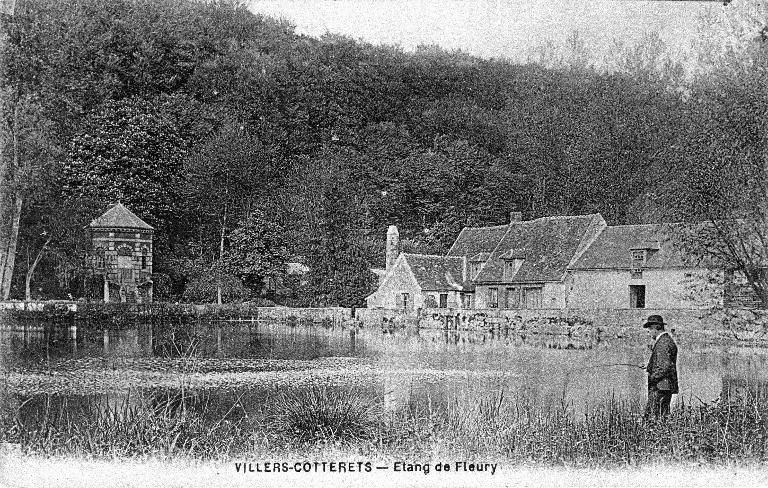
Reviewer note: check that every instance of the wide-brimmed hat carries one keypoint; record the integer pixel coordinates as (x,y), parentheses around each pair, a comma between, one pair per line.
(655,322)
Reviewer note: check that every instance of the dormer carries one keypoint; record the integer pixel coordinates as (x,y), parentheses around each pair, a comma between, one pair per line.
(639,255)
(513,260)
(476,263)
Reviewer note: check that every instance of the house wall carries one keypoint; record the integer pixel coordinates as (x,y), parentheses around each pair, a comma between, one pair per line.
(454,300)
(397,281)
(609,289)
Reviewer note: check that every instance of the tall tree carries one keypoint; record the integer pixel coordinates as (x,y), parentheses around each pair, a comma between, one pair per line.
(227,176)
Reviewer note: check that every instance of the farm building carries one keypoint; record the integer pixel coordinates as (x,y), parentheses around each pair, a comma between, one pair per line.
(561,262)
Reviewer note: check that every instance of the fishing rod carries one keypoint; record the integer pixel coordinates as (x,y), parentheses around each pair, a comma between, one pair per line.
(593,366)
(606,365)
(618,364)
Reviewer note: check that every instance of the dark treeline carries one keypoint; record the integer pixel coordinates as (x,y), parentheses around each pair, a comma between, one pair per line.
(248,146)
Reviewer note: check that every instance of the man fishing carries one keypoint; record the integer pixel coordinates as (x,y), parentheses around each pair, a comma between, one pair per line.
(662,369)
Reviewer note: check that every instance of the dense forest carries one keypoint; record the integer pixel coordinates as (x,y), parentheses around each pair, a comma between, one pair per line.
(248,146)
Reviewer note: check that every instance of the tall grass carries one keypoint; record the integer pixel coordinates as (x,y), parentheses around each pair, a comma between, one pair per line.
(515,430)
(612,432)
(162,426)
(320,413)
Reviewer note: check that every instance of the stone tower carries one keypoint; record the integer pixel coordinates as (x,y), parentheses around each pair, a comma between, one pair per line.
(121,252)
(393,246)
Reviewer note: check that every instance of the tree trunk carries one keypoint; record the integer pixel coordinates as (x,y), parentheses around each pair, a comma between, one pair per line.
(7,170)
(10,257)
(10,236)
(31,272)
(221,256)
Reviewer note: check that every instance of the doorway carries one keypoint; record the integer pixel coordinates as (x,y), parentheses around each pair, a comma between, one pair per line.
(636,296)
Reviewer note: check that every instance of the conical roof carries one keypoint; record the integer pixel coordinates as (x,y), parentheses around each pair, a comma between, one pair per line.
(120,217)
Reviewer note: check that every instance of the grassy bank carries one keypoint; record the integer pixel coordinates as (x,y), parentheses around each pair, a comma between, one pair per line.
(310,422)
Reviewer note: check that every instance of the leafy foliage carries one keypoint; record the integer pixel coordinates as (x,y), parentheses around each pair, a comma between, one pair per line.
(194,114)
(130,152)
(257,254)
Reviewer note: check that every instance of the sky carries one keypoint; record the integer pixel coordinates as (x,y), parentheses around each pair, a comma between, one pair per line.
(510,29)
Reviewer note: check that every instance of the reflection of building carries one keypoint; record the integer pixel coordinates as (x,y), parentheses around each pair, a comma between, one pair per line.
(397,391)
(122,255)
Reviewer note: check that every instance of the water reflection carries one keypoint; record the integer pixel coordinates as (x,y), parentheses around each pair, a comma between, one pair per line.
(405,367)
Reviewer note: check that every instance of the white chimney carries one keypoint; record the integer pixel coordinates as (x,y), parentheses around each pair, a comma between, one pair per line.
(393,246)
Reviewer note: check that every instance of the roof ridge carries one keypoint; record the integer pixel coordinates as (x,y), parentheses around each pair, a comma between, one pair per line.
(430,255)
(484,227)
(635,225)
(561,217)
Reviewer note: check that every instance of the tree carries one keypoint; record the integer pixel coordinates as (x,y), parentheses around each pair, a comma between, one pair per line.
(721,168)
(257,253)
(208,282)
(339,266)
(225,175)
(130,152)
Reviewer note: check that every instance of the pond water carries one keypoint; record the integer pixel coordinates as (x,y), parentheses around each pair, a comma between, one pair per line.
(54,364)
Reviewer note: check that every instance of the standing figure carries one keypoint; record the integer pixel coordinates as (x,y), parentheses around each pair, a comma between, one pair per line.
(662,369)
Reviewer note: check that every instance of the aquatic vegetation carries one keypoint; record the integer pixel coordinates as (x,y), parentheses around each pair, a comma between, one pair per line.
(612,432)
(312,419)
(160,425)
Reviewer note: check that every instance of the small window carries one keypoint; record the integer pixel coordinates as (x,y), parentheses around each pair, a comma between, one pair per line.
(493,298)
(638,258)
(98,259)
(443,300)
(531,297)
(636,296)
(466,300)
(406,301)
(512,298)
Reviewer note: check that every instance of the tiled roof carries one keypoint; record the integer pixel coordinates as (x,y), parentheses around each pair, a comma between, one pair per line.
(120,217)
(611,250)
(475,240)
(548,245)
(436,272)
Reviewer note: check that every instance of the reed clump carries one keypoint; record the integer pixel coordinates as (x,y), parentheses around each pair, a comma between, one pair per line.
(322,414)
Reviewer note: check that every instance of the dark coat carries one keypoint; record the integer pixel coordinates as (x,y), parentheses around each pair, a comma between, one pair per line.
(662,367)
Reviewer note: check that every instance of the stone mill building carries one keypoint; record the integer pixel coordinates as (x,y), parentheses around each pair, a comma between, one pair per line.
(121,255)
(550,263)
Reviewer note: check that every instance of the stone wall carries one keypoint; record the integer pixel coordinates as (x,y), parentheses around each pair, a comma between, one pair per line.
(205,311)
(577,322)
